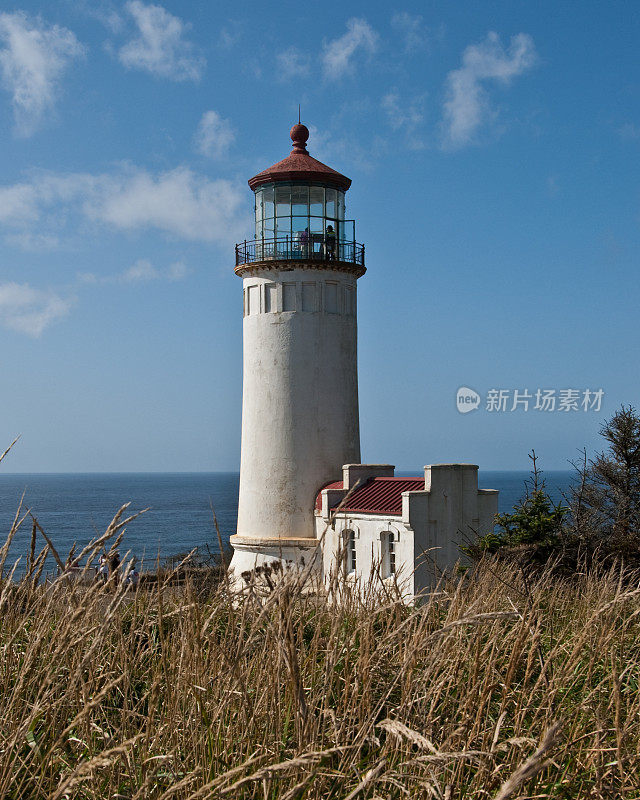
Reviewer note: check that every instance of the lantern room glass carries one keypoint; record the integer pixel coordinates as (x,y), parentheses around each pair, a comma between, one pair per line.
(287,210)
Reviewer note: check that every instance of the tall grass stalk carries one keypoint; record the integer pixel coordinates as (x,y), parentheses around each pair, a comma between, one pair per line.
(492,687)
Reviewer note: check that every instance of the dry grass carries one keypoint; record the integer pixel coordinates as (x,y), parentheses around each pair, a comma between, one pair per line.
(493,687)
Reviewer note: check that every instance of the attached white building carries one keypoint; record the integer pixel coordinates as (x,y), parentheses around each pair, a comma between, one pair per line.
(300,421)
(404,531)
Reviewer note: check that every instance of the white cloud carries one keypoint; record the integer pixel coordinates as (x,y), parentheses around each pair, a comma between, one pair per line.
(30,311)
(406,116)
(33,59)
(142,271)
(178,202)
(629,131)
(177,271)
(412,29)
(21,204)
(337,55)
(338,149)
(292,63)
(466,106)
(104,11)
(33,242)
(161,47)
(214,135)
(18,204)
(230,35)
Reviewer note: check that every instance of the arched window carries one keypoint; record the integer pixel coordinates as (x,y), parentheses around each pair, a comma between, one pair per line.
(350,551)
(388,553)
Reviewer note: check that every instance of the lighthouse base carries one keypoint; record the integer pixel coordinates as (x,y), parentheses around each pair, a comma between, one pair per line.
(253,555)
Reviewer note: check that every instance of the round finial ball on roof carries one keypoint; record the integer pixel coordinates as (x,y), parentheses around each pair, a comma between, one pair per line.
(299,135)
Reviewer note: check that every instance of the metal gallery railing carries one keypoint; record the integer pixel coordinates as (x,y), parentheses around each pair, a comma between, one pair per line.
(315,247)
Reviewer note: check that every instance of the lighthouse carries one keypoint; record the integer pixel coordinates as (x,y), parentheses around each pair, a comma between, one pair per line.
(300,385)
(305,498)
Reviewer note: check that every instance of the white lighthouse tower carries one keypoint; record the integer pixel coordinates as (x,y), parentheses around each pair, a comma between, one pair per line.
(300,385)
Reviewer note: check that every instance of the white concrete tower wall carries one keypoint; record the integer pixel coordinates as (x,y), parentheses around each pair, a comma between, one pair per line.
(300,396)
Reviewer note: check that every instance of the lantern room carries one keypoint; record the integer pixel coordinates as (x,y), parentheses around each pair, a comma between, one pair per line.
(300,212)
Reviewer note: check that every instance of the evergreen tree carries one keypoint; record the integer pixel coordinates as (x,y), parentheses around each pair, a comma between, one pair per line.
(606,505)
(536,520)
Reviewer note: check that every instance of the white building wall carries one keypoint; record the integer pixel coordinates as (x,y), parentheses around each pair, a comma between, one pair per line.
(450,512)
(300,401)
(487,510)
(370,530)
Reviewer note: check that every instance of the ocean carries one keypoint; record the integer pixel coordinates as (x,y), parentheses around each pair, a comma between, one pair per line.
(77,507)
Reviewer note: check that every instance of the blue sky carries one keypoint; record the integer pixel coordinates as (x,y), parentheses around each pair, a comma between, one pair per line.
(494,151)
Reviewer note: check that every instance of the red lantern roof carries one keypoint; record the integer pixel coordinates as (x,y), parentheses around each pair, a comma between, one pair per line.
(300,166)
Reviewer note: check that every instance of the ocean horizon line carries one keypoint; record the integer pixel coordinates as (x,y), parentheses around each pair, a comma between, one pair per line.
(399,470)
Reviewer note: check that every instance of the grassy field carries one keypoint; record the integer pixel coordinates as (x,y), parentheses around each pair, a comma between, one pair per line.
(493,687)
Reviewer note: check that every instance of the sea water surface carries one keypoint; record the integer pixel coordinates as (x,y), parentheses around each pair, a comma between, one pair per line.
(74,508)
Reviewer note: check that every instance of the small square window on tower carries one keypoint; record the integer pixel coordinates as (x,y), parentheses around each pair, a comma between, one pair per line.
(288,297)
(331,297)
(349,301)
(253,302)
(309,297)
(270,298)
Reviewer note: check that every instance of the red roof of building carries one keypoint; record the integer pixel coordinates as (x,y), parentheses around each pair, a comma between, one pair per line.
(377,496)
(300,166)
